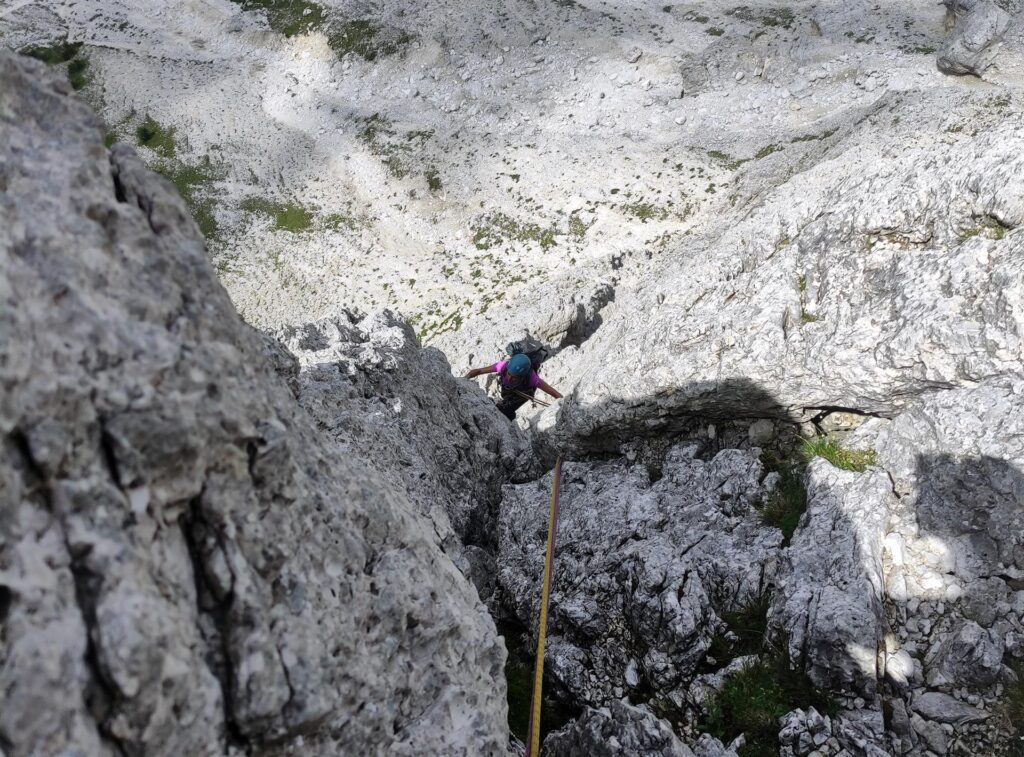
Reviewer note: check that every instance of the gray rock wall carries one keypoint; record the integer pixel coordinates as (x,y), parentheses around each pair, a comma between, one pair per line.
(186,564)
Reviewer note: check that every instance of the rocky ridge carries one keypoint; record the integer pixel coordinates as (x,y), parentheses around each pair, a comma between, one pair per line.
(188,566)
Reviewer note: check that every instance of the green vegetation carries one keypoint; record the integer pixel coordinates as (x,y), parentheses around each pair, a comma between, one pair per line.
(787,503)
(289,216)
(715,31)
(67,54)
(396,150)
(159,139)
(577,228)
(1012,708)
(287,17)
(499,229)
(365,39)
(192,183)
(433,180)
(813,137)
(55,54)
(337,221)
(361,36)
(805,315)
(785,506)
(753,700)
(764,152)
(78,73)
(780,17)
(730,162)
(990,228)
(847,459)
(748,624)
(519,679)
(645,211)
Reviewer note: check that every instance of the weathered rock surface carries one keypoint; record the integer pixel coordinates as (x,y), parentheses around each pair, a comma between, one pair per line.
(615,731)
(186,564)
(916,560)
(374,390)
(642,569)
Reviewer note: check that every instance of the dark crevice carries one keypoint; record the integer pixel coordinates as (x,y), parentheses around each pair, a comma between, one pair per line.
(107,445)
(194,528)
(115,174)
(100,695)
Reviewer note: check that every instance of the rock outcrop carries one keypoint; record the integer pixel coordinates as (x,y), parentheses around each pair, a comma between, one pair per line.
(904,583)
(644,569)
(186,564)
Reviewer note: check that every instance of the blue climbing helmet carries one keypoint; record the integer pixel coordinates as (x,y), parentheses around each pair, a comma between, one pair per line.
(519,365)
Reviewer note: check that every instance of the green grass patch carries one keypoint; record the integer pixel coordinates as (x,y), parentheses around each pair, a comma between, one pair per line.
(499,229)
(715,31)
(775,17)
(67,54)
(749,624)
(787,504)
(338,221)
(764,152)
(365,39)
(55,54)
(159,139)
(753,700)
(858,460)
(813,137)
(727,160)
(193,184)
(288,216)
(288,17)
(433,180)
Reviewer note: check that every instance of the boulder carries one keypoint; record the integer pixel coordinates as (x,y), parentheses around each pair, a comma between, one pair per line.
(614,731)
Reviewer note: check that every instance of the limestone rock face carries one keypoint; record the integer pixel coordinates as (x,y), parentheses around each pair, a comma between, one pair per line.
(186,564)
(909,571)
(643,569)
(372,388)
(828,609)
(619,729)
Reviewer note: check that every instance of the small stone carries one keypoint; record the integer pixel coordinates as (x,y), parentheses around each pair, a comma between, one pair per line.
(739,76)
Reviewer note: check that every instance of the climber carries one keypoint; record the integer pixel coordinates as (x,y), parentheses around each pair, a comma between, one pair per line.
(518,381)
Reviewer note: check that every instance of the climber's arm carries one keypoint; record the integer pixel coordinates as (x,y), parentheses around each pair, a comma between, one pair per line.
(544,386)
(474,372)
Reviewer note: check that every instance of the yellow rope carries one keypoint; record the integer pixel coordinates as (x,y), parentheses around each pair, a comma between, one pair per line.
(533,736)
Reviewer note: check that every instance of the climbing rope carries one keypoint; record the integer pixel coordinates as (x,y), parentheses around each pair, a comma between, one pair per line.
(533,735)
(531,398)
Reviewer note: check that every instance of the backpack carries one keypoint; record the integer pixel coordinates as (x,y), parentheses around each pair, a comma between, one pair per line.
(530,347)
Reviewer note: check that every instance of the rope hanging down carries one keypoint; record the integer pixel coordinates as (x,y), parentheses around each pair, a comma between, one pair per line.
(533,735)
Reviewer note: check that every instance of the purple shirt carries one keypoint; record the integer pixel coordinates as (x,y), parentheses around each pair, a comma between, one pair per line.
(533,382)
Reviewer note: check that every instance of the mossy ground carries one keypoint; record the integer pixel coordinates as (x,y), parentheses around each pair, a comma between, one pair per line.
(785,506)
